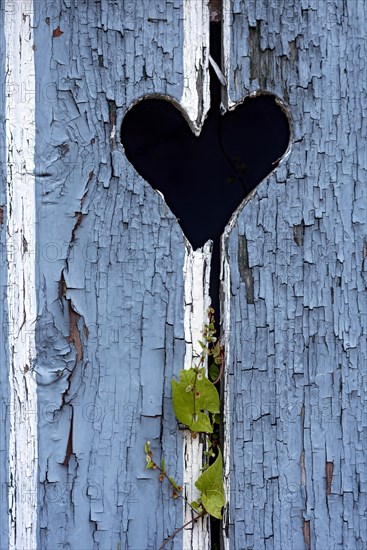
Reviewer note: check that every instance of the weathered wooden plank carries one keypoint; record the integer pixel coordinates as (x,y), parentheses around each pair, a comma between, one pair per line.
(197,301)
(111,304)
(4,377)
(19,492)
(295,285)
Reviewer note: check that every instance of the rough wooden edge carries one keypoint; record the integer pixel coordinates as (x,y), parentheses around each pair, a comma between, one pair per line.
(196,94)
(227,104)
(226,318)
(21,283)
(196,277)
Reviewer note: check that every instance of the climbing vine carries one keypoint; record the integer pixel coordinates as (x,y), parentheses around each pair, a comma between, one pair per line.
(197,405)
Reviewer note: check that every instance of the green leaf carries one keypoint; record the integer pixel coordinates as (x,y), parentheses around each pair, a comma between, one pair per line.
(192,396)
(214,371)
(147,447)
(197,506)
(162,465)
(210,483)
(216,350)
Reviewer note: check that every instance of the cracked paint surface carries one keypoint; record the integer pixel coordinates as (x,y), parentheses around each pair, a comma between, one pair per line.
(5,405)
(295,300)
(110,330)
(19,485)
(197,301)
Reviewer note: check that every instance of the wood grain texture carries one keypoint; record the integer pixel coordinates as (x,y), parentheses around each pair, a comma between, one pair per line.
(110,321)
(19,492)
(295,276)
(110,260)
(197,301)
(112,306)
(4,376)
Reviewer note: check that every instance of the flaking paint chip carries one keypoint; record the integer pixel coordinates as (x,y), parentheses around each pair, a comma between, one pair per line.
(57,32)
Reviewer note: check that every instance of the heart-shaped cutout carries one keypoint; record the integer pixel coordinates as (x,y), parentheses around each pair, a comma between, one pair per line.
(204,179)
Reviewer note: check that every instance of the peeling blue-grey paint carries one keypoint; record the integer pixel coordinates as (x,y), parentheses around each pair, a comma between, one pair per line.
(110,329)
(110,332)
(297,386)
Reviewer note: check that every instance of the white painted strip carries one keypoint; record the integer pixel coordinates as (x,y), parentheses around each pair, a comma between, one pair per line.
(197,301)
(196,94)
(195,103)
(226,49)
(21,246)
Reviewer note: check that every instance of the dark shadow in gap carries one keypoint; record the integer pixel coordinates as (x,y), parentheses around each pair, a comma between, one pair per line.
(204,179)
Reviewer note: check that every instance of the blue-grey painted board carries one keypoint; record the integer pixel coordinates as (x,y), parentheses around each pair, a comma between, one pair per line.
(297,381)
(110,286)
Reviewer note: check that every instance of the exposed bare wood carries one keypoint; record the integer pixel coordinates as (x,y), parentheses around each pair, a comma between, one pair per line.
(20,499)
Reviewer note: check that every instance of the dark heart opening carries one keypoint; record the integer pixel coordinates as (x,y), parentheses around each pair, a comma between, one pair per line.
(204,179)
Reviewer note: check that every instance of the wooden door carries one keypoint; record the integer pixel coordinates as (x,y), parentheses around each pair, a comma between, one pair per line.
(104,299)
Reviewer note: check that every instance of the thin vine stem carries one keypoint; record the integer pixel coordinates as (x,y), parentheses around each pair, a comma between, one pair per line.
(196,381)
(177,491)
(176,531)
